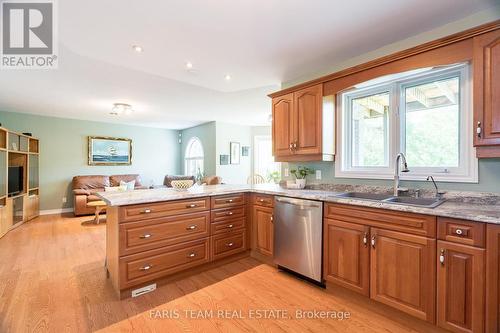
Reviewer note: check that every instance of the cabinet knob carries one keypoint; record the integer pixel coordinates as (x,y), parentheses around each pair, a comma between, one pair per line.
(145,236)
(478,129)
(459,232)
(271,218)
(373,241)
(146,211)
(365,238)
(229,213)
(146,267)
(191,227)
(230,226)
(229,244)
(192,255)
(441,257)
(261,200)
(191,206)
(229,201)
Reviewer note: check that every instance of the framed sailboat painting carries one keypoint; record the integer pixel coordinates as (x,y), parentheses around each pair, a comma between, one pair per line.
(109,151)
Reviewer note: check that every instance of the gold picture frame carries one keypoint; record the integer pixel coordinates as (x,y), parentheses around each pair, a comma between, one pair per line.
(105,150)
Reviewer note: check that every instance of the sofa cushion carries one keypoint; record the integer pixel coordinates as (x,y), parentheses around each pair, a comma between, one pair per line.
(167,181)
(80,191)
(115,179)
(90,182)
(93,197)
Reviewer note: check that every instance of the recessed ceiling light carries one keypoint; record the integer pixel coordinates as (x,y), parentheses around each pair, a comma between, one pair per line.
(137,48)
(121,108)
(189,65)
(227,77)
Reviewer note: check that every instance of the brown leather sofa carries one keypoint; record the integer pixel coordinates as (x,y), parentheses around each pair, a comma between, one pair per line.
(86,187)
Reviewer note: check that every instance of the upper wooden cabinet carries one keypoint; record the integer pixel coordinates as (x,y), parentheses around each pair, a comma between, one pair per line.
(487,94)
(302,126)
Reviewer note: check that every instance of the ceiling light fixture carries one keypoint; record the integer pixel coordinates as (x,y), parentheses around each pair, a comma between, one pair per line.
(137,48)
(189,65)
(121,108)
(227,77)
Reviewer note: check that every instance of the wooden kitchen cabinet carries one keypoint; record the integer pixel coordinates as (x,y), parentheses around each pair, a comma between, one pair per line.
(263,230)
(347,255)
(297,125)
(493,278)
(460,288)
(403,272)
(486,62)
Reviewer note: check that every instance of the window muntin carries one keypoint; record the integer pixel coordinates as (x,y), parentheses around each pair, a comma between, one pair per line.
(193,158)
(428,116)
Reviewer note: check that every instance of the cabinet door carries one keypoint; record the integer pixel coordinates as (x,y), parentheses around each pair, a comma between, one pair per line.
(487,88)
(263,229)
(307,125)
(493,278)
(403,272)
(460,291)
(347,255)
(282,125)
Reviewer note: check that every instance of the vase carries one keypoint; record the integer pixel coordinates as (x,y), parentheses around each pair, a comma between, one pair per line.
(301,183)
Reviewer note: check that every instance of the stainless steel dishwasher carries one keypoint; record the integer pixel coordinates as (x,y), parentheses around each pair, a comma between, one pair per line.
(298,236)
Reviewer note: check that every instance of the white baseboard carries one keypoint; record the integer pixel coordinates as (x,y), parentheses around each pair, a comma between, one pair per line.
(56,211)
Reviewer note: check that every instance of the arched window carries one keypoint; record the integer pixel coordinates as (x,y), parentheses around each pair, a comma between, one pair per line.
(193,159)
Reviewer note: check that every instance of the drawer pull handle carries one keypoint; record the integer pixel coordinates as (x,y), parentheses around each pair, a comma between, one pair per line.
(230,226)
(145,236)
(230,200)
(192,227)
(146,211)
(373,241)
(441,257)
(145,268)
(192,255)
(229,244)
(365,239)
(229,213)
(191,206)
(261,200)
(459,232)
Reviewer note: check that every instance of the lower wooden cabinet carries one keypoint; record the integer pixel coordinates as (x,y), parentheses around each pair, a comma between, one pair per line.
(460,296)
(32,207)
(493,278)
(347,255)
(263,229)
(403,272)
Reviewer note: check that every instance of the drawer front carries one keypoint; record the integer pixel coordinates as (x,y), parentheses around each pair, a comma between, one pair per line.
(263,200)
(228,244)
(225,201)
(162,209)
(418,224)
(146,266)
(461,231)
(228,213)
(150,234)
(228,226)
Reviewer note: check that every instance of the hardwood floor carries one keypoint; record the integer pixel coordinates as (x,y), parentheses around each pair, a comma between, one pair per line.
(52,279)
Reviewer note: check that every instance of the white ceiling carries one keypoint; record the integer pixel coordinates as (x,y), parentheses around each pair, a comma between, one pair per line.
(260,43)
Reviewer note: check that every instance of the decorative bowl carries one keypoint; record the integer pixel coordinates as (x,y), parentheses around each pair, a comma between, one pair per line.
(182,185)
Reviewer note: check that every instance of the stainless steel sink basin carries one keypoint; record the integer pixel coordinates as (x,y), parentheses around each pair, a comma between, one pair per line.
(409,201)
(364,196)
(421,202)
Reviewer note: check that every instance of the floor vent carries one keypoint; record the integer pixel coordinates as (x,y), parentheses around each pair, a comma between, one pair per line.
(144,290)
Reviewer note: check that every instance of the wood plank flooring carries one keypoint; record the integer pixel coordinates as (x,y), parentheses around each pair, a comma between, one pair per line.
(52,279)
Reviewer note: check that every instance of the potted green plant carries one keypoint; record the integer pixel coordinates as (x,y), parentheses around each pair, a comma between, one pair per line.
(300,175)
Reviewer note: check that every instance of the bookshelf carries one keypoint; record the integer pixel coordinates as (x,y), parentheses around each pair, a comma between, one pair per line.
(19,156)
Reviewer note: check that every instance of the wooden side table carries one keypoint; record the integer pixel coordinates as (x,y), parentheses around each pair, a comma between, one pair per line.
(99,206)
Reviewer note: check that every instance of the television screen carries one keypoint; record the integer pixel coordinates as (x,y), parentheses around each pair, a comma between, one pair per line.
(15,180)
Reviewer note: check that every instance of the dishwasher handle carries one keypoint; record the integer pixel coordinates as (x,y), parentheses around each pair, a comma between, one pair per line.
(302,204)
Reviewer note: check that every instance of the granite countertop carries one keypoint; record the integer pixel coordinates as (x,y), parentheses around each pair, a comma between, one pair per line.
(481,207)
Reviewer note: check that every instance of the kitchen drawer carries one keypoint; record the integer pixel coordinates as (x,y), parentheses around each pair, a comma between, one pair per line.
(146,266)
(228,244)
(225,201)
(228,226)
(461,231)
(418,224)
(150,234)
(263,200)
(228,213)
(162,209)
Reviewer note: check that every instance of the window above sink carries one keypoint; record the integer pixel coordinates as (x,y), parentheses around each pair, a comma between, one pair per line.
(425,113)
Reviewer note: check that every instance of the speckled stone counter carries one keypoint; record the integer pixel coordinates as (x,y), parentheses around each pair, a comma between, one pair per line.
(474,206)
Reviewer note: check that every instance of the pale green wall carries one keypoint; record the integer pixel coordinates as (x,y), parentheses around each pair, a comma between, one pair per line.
(489,170)
(64,152)
(226,133)
(206,134)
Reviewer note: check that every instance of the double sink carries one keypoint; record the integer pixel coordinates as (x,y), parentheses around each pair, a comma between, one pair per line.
(407,201)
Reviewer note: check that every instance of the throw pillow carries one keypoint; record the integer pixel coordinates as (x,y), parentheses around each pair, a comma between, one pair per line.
(130,185)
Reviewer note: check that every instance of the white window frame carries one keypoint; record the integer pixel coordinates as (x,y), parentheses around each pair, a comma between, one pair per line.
(193,158)
(468,163)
